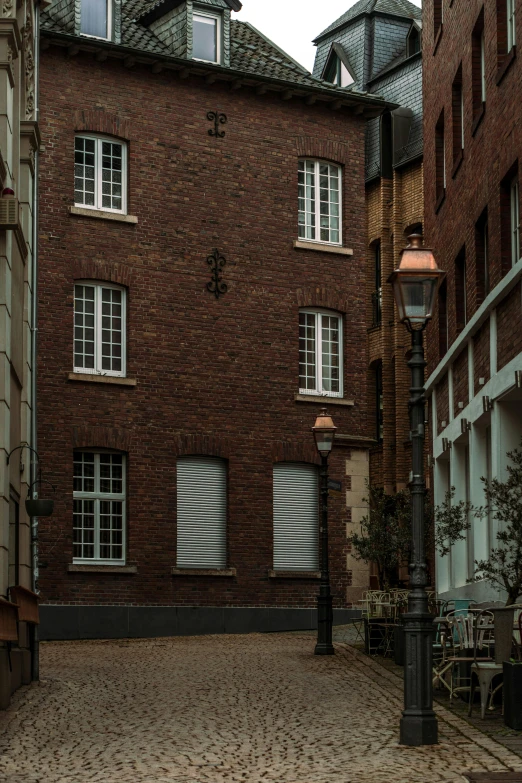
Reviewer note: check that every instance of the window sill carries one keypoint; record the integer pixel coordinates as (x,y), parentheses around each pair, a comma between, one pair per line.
(440,201)
(504,68)
(76,568)
(203,572)
(478,119)
(437,38)
(101,215)
(457,164)
(113,380)
(294,574)
(323,399)
(322,247)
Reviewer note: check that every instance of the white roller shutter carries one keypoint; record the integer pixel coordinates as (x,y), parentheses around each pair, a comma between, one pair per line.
(296,517)
(202,513)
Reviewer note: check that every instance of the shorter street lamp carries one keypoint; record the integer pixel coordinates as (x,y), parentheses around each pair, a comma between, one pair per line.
(324,434)
(415,284)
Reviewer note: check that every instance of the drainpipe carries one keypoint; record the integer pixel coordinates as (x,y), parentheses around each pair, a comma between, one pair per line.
(35,648)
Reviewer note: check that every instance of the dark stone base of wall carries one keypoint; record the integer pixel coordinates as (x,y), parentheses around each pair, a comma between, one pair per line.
(123,622)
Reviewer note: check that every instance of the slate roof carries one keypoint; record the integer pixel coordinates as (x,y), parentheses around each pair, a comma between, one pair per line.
(250,51)
(395,7)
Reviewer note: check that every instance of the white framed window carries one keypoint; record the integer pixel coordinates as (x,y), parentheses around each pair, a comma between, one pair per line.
(201,512)
(99,329)
(515,222)
(96,18)
(319,201)
(99,508)
(296,517)
(320,353)
(100,173)
(206,36)
(511,25)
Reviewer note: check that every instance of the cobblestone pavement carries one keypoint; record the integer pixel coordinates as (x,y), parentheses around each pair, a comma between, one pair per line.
(224,709)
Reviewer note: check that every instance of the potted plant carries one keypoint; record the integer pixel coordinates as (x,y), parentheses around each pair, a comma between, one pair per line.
(39,507)
(503,567)
(512,692)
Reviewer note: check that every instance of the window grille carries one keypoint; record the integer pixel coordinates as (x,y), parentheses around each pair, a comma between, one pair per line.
(320,353)
(99,329)
(100,174)
(99,507)
(319,200)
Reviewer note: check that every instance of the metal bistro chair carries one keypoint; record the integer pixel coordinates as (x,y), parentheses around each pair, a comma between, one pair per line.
(468,633)
(504,638)
(499,631)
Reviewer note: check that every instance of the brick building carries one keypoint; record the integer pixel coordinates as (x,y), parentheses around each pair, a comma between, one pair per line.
(203,272)
(19,139)
(473,141)
(378,43)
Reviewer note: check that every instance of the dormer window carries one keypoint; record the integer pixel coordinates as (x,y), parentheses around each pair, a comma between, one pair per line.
(337,69)
(96,18)
(338,73)
(414,41)
(206,31)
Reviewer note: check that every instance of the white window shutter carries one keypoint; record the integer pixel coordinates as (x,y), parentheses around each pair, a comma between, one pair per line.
(296,517)
(202,512)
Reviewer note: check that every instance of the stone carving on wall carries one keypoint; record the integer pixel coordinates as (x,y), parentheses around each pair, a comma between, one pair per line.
(29,70)
(7,7)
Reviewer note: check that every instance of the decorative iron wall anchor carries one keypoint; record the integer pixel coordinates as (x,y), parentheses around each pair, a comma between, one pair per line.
(219,119)
(216,285)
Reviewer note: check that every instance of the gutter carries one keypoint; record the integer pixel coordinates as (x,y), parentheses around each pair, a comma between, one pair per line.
(35,646)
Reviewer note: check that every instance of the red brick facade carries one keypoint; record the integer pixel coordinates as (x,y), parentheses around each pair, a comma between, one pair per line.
(492,146)
(213,376)
(474,345)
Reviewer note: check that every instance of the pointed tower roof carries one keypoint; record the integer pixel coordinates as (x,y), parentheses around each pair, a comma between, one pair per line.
(402,8)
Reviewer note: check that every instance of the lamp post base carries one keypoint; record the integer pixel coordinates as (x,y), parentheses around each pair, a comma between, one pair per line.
(324,649)
(419,729)
(324,644)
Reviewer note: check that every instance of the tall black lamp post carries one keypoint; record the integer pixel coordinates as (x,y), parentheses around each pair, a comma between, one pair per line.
(415,285)
(324,434)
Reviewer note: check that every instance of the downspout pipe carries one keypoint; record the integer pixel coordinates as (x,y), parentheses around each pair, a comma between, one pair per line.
(35,646)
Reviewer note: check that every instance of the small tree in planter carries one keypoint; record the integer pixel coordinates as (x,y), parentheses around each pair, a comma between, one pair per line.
(385,535)
(504,503)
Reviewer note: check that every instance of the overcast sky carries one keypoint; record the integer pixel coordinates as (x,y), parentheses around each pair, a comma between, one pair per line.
(292,24)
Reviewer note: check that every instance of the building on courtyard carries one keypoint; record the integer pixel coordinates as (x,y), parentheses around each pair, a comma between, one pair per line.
(203,296)
(19,139)
(473,143)
(376,47)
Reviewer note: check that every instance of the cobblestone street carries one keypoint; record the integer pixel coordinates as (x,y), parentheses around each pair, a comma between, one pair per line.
(222,709)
